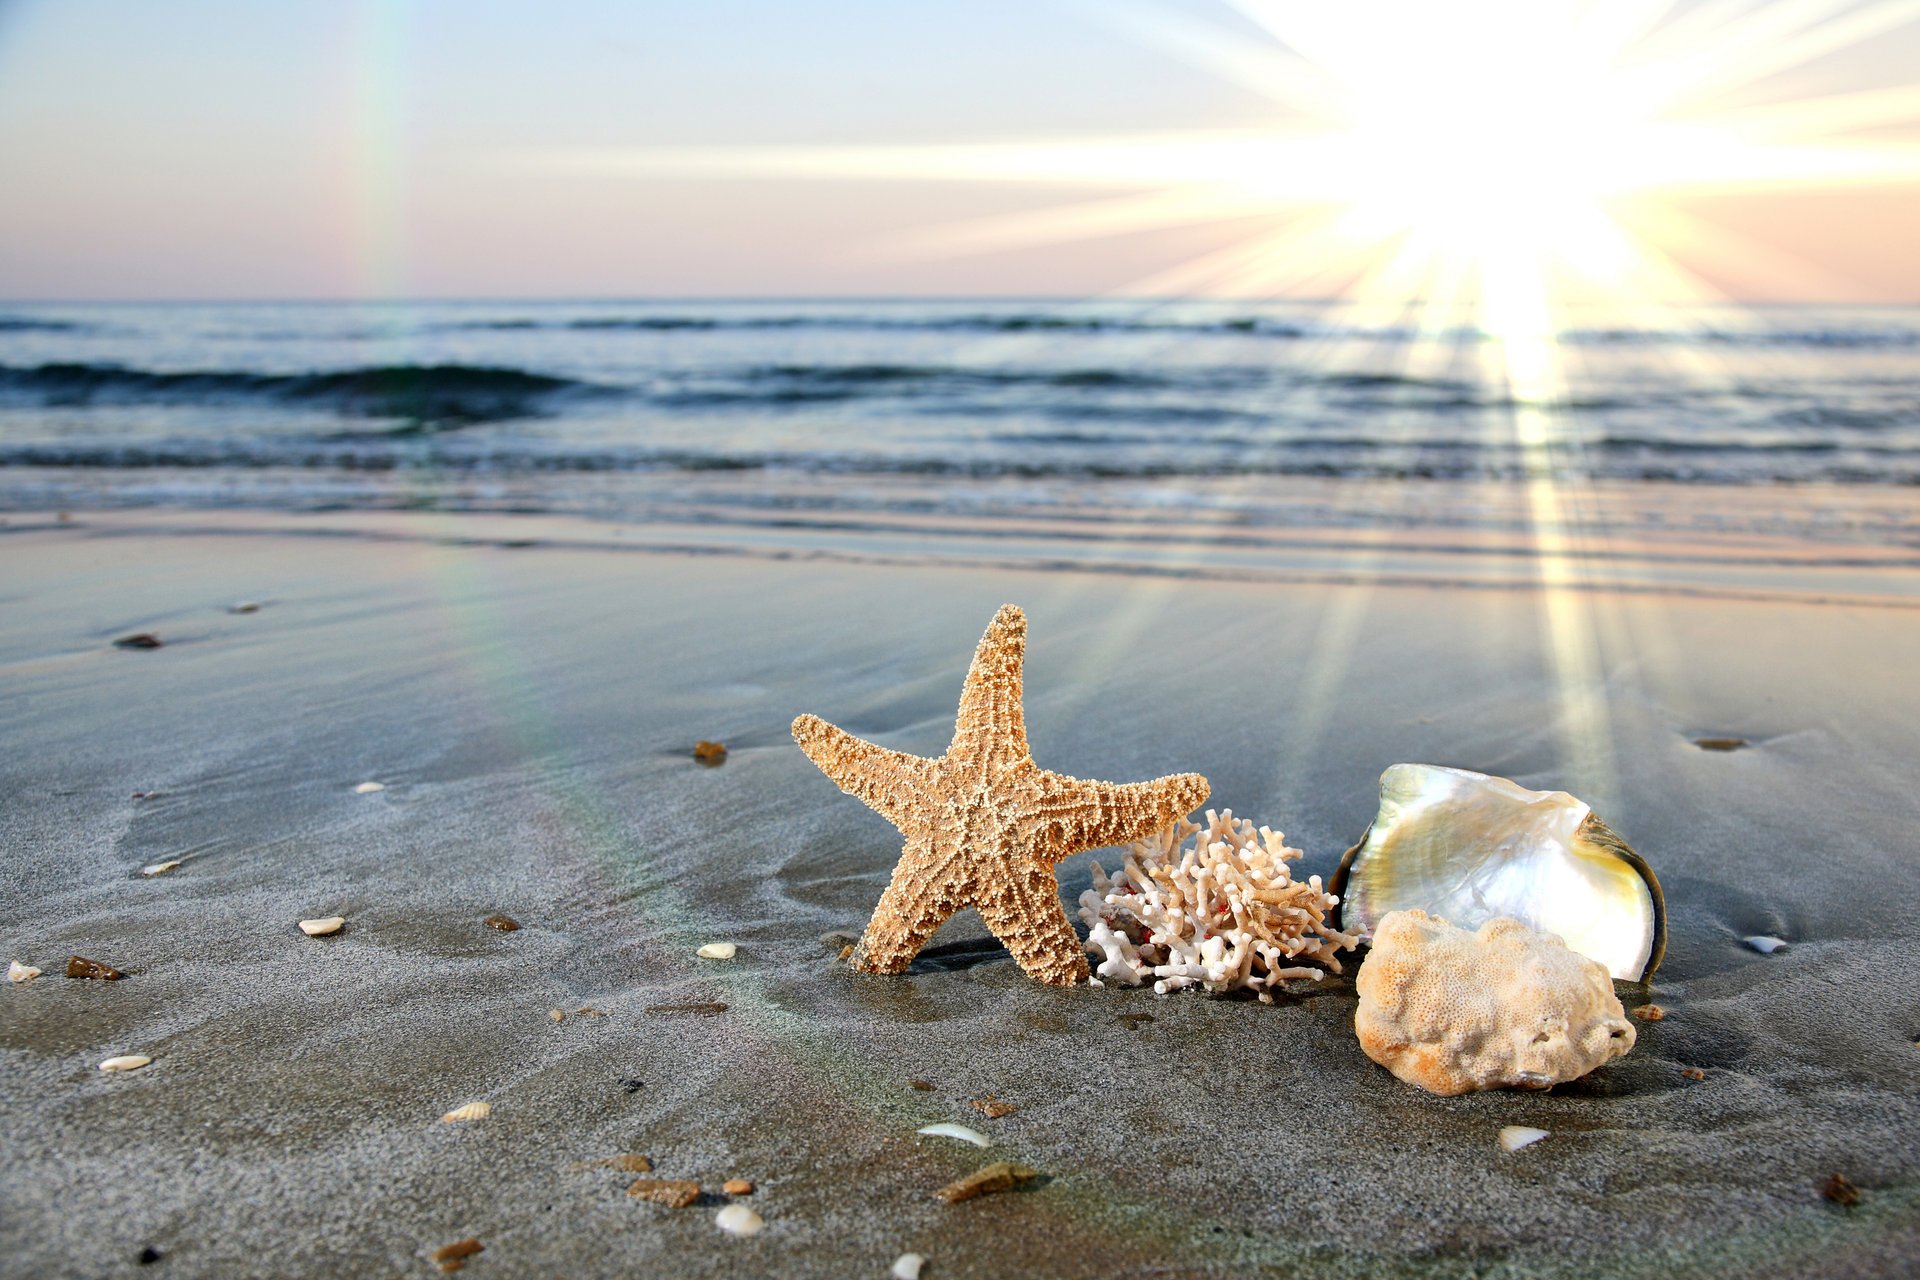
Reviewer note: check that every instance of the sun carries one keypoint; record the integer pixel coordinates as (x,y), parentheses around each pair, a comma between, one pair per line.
(1422,148)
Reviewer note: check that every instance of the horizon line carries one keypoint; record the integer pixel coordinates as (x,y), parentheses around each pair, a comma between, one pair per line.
(899,298)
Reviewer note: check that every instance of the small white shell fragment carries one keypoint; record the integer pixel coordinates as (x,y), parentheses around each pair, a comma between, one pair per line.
(1516,1136)
(717,951)
(1765,945)
(126,1062)
(17,972)
(322,927)
(368,788)
(738,1220)
(471,1111)
(159,868)
(907,1267)
(960,1131)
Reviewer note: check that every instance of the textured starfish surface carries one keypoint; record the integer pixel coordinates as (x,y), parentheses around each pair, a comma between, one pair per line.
(984,825)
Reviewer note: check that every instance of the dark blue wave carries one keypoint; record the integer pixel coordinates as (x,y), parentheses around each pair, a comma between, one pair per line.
(34,324)
(426,394)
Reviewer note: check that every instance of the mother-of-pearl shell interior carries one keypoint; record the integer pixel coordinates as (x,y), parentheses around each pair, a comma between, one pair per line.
(1468,847)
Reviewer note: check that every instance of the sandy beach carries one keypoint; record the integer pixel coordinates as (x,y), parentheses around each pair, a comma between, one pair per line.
(528,691)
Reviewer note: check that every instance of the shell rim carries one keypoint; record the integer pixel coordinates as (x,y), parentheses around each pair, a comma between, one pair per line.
(1596,830)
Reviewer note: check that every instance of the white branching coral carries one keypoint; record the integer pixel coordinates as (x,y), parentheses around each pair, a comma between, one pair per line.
(1223,912)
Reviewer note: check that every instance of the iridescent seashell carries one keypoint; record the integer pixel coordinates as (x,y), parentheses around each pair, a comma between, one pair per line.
(1469,847)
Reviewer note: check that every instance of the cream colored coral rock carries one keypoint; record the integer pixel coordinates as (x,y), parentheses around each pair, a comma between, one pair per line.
(1504,1008)
(1214,906)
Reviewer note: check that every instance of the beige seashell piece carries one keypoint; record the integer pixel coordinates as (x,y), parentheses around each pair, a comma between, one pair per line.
(159,868)
(323,926)
(126,1062)
(1503,1008)
(17,972)
(718,951)
(1515,1136)
(737,1219)
(368,788)
(471,1111)
(907,1267)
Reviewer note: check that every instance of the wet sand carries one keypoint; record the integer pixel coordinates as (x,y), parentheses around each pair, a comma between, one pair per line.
(529,691)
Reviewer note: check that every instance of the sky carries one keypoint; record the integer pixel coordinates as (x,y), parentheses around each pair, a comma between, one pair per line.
(781,148)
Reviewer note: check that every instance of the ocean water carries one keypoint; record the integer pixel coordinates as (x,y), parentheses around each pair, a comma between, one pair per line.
(716,410)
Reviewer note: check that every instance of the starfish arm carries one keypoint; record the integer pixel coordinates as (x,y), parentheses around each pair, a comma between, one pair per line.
(914,905)
(1023,910)
(1073,815)
(990,726)
(887,781)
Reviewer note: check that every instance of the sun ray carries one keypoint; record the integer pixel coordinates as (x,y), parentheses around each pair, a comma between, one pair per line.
(1477,171)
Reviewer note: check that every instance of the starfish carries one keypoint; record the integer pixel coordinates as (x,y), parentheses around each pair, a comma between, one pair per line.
(984,825)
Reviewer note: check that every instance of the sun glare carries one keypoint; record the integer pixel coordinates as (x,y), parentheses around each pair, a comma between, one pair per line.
(1426,143)
(1474,169)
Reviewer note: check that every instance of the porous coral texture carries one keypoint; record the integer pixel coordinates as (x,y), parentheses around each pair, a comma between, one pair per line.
(1503,1008)
(1224,911)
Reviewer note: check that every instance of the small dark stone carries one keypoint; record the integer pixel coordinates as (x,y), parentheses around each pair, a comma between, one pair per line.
(1839,1190)
(1720,744)
(148,1256)
(81,967)
(1134,1021)
(139,640)
(706,1008)
(924,1086)
(633,1084)
(505,924)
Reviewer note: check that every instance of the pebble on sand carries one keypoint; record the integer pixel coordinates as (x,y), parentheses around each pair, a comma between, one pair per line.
(159,868)
(368,788)
(471,1111)
(1765,944)
(737,1219)
(675,1193)
(126,1062)
(717,951)
(1838,1189)
(17,972)
(737,1187)
(907,1267)
(324,925)
(138,640)
(1516,1136)
(1693,1073)
(244,606)
(81,967)
(1649,1012)
(1720,744)
(992,1108)
(999,1176)
(710,753)
(452,1257)
(504,923)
